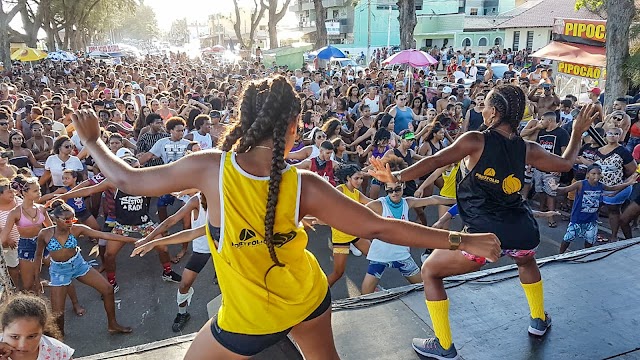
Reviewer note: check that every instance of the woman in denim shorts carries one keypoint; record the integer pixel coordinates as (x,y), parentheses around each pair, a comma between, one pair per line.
(67,262)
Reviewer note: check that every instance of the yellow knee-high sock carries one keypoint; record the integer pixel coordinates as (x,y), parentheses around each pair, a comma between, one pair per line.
(535,297)
(439,312)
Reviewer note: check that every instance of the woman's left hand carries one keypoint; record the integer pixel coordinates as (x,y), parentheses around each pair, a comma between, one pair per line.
(381,171)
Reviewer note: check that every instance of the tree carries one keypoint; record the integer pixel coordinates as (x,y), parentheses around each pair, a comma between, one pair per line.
(408,20)
(617,43)
(179,33)
(274,18)
(256,16)
(5,19)
(321,27)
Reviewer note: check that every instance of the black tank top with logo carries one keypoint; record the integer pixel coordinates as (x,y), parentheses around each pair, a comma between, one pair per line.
(488,198)
(131,209)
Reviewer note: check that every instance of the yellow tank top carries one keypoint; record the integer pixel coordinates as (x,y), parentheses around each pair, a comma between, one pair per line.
(337,236)
(449,188)
(252,303)
(527,115)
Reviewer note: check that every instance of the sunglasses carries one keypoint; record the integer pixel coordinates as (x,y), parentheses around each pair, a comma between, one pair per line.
(6,154)
(402,99)
(130,108)
(612,134)
(397,189)
(70,221)
(44,123)
(321,137)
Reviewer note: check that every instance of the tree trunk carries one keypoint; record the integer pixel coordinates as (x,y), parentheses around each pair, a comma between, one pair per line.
(321,28)
(273,33)
(5,45)
(408,21)
(274,18)
(617,46)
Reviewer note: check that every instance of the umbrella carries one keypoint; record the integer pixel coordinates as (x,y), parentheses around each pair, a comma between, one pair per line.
(28,54)
(412,57)
(218,48)
(61,56)
(99,55)
(328,52)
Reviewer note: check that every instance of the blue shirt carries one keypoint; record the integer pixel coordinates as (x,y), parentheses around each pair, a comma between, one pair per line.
(586,203)
(402,119)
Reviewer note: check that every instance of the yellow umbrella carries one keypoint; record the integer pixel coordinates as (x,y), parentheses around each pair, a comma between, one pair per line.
(28,54)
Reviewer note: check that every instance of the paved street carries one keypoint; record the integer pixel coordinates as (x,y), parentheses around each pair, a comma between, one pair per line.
(148,304)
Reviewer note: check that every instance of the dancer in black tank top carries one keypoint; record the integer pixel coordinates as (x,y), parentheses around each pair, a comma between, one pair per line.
(491,174)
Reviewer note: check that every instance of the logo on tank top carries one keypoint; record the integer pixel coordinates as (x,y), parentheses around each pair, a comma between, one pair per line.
(488,176)
(511,185)
(248,238)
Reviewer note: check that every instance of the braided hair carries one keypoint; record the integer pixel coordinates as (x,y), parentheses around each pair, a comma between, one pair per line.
(509,101)
(267,110)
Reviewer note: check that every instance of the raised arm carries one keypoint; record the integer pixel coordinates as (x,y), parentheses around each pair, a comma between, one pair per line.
(546,161)
(192,204)
(353,218)
(201,167)
(430,200)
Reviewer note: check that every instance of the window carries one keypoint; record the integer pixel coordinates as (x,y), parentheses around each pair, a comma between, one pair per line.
(474,11)
(428,43)
(336,14)
(516,41)
(529,40)
(466,42)
(482,41)
(497,41)
(486,11)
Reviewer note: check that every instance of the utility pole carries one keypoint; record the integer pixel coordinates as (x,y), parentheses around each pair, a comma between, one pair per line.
(368,30)
(389,28)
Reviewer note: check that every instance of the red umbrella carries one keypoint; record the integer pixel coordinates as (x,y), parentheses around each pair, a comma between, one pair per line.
(412,57)
(218,48)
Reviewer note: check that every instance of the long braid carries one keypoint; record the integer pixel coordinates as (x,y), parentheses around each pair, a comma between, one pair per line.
(266,112)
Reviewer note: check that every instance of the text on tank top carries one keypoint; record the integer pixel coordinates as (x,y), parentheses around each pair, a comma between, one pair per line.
(131,209)
(326,171)
(205,141)
(384,252)
(488,195)
(254,302)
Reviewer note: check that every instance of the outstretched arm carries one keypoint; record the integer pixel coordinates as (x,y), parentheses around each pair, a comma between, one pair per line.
(353,218)
(84,230)
(177,238)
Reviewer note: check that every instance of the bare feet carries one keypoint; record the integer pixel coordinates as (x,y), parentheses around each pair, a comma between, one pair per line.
(118,329)
(78,309)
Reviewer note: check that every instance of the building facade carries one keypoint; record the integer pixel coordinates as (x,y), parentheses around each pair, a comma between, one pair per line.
(339,20)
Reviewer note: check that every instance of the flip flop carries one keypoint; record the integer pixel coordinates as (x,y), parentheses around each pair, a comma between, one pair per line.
(552,224)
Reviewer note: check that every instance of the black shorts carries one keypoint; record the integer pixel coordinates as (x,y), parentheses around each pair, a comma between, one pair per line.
(197,261)
(83,215)
(347,243)
(250,345)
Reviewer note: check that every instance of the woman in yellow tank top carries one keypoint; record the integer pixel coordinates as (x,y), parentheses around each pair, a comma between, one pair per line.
(270,284)
(448,190)
(351,178)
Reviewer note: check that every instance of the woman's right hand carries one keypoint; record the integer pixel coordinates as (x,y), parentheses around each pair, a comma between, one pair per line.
(484,245)
(142,248)
(5,350)
(381,171)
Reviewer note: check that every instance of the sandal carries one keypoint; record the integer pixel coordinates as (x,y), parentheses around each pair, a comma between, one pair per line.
(602,238)
(552,224)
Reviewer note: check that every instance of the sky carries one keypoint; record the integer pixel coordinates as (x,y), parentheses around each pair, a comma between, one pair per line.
(169,10)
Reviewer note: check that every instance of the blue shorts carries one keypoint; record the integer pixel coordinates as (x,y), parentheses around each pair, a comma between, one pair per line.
(611,198)
(27,249)
(61,273)
(588,232)
(166,200)
(407,267)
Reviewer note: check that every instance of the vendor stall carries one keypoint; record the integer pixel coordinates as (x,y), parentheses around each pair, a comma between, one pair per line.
(578,54)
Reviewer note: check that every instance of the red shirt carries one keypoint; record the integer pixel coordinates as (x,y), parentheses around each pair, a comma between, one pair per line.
(326,171)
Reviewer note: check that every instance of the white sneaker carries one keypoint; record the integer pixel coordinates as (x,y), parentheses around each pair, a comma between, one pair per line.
(354,250)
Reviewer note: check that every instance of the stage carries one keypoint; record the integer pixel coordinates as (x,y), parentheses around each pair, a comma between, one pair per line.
(592,295)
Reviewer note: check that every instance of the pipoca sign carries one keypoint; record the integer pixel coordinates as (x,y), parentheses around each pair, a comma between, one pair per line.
(587,71)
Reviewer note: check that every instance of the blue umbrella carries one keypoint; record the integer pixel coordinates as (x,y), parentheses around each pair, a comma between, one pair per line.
(328,52)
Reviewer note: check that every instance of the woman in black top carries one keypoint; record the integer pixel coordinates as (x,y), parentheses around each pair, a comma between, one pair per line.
(491,174)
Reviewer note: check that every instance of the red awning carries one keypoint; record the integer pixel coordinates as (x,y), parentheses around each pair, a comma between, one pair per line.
(573,53)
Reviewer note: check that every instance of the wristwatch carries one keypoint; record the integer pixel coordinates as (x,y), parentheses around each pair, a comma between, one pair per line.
(396,174)
(455,239)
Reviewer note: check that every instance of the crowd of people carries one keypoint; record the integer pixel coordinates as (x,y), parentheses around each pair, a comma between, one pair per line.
(77,140)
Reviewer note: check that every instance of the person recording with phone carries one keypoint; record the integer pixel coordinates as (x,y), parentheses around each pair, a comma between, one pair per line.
(547,102)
